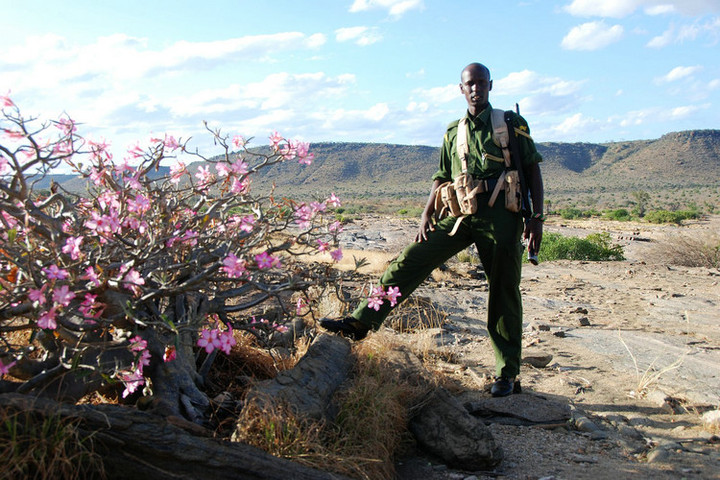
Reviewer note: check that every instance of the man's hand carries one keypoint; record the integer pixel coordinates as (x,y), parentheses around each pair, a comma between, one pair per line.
(533,234)
(426,225)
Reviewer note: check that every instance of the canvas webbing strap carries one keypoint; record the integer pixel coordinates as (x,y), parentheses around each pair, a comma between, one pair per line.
(461,143)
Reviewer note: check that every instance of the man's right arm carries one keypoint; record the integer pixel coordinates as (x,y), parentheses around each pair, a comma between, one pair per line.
(426,219)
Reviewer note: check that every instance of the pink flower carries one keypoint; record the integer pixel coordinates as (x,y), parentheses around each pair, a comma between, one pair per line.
(266,261)
(62,295)
(204,176)
(91,276)
(302,151)
(222,170)
(4,165)
(72,247)
(322,246)
(374,303)
(132,382)
(233,266)
(334,201)
(335,227)
(392,295)
(132,280)
(240,187)
(143,361)
(47,320)
(239,141)
(247,223)
(209,340)
(66,125)
(300,306)
(227,341)
(91,309)
(5,100)
(336,255)
(140,205)
(53,272)
(171,143)
(170,353)
(138,344)
(38,296)
(5,368)
(275,139)
(239,167)
(177,171)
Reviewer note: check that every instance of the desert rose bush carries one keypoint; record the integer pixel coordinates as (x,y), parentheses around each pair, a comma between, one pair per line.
(127,281)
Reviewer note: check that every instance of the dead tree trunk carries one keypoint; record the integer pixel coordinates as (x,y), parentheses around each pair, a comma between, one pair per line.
(137,444)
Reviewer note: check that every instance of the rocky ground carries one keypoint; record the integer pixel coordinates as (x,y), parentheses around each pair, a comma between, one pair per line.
(622,359)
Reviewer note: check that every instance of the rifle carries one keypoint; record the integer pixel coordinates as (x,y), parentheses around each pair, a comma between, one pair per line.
(524,191)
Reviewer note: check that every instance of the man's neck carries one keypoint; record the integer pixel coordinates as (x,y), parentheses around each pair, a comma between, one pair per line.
(475,111)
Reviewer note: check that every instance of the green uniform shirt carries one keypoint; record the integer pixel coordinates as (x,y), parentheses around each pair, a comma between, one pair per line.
(479,140)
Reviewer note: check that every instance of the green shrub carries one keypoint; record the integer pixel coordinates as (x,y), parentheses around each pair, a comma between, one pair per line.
(620,214)
(594,247)
(571,213)
(665,216)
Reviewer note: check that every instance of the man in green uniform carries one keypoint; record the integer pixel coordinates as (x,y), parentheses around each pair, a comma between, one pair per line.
(495,231)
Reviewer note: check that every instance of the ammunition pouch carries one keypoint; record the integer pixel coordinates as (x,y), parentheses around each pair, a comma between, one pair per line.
(513,191)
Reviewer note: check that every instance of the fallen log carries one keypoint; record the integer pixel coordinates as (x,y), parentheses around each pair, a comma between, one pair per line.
(138,444)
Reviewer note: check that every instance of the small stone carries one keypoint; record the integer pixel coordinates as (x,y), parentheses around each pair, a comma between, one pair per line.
(711,420)
(584,321)
(538,361)
(584,424)
(599,435)
(539,327)
(657,455)
(580,310)
(560,334)
(471,477)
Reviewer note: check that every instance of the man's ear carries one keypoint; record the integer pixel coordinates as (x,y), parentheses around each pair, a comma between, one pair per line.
(490,86)
(461,88)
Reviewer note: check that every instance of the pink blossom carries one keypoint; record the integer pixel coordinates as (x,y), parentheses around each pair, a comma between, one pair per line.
(334,201)
(53,272)
(209,340)
(287,151)
(302,151)
(135,151)
(265,261)
(392,295)
(91,276)
(133,182)
(204,176)
(300,306)
(140,205)
(336,255)
(38,296)
(190,238)
(4,165)
(239,167)
(322,246)
(90,308)
(62,295)
(13,135)
(123,167)
(335,227)
(72,247)
(171,143)
(143,360)
(170,354)
(6,101)
(66,125)
(275,139)
(374,303)
(246,223)
(138,344)
(47,320)
(177,171)
(233,266)
(240,187)
(227,341)
(132,382)
(5,368)
(97,175)
(100,150)
(222,169)
(132,280)
(239,141)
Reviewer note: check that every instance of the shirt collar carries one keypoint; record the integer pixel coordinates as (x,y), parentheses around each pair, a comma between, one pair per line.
(482,118)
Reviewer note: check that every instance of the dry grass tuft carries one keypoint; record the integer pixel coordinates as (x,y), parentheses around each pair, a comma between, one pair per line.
(699,250)
(415,314)
(370,429)
(41,448)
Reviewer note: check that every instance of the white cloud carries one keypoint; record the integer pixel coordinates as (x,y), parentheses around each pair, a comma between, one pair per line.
(689,32)
(574,126)
(377,112)
(395,8)
(362,36)
(437,95)
(678,73)
(623,8)
(528,81)
(591,36)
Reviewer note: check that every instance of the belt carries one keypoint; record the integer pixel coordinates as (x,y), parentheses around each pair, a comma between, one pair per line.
(487,185)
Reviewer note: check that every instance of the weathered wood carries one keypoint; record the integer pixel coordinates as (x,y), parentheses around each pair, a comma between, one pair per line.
(309,387)
(138,444)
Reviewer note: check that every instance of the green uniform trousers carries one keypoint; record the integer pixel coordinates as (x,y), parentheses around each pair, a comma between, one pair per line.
(496,232)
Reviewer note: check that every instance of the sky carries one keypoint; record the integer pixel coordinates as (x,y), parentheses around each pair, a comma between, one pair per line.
(384,71)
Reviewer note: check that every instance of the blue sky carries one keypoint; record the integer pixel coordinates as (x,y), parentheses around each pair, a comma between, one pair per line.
(362,70)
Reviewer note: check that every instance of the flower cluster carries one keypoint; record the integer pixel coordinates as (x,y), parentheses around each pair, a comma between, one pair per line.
(211,339)
(378,296)
(133,378)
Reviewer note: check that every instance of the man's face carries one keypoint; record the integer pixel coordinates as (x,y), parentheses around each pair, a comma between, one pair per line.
(476,86)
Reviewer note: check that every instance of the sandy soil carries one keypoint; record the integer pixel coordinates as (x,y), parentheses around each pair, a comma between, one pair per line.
(635,349)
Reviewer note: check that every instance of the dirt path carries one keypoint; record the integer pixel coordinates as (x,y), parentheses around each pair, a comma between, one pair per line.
(635,349)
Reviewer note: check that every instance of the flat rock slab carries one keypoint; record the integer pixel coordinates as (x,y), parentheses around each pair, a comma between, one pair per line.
(520,409)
